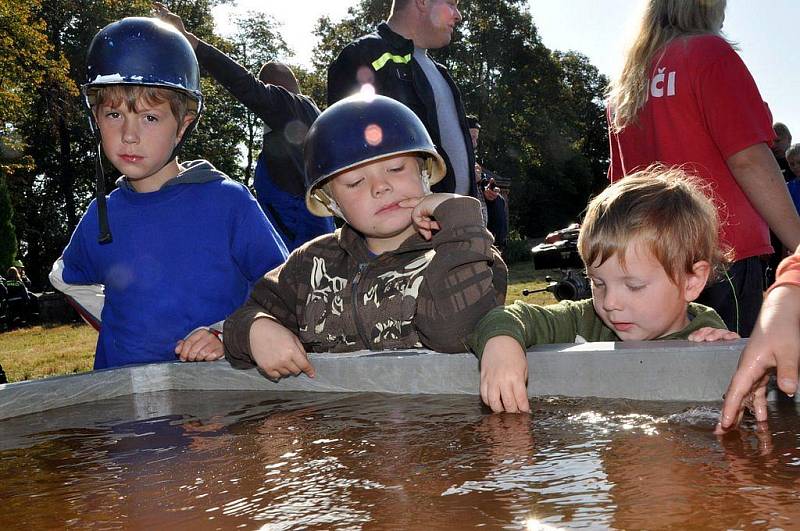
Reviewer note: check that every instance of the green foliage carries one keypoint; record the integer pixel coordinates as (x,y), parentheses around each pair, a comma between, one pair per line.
(219,133)
(518,249)
(26,59)
(534,106)
(8,240)
(332,37)
(313,84)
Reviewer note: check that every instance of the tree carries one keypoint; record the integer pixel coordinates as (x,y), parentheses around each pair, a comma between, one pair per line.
(24,64)
(586,87)
(8,240)
(332,37)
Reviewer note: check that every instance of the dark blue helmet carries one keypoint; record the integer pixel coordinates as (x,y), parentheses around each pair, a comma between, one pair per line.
(142,51)
(360,129)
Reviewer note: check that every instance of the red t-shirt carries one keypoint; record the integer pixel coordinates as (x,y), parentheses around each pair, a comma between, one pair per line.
(703,107)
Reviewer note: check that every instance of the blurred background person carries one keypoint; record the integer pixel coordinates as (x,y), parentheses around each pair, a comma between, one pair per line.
(491,196)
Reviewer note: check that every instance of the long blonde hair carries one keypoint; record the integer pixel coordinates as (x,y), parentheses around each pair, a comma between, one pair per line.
(662,21)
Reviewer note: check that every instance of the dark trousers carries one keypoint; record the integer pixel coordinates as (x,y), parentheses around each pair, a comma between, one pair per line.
(737,297)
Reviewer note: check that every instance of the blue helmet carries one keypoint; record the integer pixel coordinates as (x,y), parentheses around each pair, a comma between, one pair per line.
(142,51)
(360,129)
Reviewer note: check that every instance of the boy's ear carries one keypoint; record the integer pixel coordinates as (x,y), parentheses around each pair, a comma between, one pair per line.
(186,121)
(695,282)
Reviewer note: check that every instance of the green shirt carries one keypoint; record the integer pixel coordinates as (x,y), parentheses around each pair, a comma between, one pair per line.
(560,323)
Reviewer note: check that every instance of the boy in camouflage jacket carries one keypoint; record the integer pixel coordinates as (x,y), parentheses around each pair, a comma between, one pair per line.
(409,269)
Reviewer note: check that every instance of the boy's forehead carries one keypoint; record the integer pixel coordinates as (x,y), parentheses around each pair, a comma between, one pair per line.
(378,163)
(637,252)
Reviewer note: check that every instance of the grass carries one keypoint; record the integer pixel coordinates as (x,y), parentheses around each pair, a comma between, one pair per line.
(41,352)
(522,276)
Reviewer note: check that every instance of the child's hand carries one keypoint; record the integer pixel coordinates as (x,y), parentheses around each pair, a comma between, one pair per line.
(504,374)
(708,333)
(422,215)
(201,345)
(277,350)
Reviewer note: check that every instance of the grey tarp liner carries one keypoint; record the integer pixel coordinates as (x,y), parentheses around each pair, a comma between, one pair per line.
(653,370)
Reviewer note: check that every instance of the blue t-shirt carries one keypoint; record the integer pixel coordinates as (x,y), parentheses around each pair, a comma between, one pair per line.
(181,257)
(794,191)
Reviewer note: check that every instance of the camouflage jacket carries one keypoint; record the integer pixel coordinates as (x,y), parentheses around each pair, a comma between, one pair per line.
(337,296)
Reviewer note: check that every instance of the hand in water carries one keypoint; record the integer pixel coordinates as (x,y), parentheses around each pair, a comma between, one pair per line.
(504,375)
(775,343)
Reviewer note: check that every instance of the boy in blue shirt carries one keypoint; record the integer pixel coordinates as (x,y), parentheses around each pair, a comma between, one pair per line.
(188,242)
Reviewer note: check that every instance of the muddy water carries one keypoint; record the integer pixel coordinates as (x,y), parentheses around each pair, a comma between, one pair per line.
(226,460)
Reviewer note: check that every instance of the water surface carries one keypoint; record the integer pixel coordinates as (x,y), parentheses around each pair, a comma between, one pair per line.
(225,460)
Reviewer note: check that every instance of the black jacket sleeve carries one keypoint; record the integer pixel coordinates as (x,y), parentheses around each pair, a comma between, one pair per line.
(275,105)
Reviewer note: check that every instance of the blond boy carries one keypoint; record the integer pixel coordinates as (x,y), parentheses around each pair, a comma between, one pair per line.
(408,269)
(650,244)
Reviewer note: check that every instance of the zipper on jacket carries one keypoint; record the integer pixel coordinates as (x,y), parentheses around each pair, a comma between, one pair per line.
(354,300)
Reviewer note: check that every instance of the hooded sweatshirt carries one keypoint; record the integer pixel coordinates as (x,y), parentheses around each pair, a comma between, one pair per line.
(182,257)
(336,296)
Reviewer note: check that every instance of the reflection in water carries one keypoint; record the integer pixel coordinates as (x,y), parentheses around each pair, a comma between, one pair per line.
(349,461)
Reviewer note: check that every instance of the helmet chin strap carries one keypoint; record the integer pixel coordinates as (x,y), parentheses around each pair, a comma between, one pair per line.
(332,206)
(102,209)
(425,176)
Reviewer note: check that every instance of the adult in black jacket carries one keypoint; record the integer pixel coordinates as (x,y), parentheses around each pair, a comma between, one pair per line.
(393,59)
(275,98)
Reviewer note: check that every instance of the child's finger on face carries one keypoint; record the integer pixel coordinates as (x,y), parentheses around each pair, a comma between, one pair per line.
(411,202)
